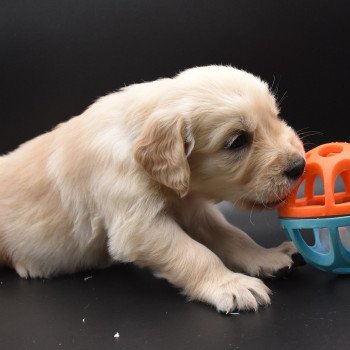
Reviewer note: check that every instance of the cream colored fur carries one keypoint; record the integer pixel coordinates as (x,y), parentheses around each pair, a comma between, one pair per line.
(134,179)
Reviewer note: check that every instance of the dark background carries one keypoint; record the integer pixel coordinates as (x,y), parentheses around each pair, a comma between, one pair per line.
(57,56)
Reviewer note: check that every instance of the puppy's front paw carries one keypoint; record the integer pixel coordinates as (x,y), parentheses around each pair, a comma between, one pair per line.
(275,262)
(234,291)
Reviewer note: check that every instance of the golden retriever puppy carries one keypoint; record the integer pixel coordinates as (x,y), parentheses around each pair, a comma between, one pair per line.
(134,179)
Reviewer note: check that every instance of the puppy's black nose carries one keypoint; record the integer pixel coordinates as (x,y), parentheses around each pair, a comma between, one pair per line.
(296,169)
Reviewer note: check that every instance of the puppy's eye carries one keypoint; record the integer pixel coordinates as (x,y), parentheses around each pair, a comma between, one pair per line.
(238,141)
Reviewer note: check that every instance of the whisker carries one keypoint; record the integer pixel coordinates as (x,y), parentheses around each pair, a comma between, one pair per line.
(310,134)
(251,214)
(304,132)
(240,198)
(277,86)
(284,96)
(273,82)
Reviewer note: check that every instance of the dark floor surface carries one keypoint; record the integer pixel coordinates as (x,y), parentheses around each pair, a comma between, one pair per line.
(310,309)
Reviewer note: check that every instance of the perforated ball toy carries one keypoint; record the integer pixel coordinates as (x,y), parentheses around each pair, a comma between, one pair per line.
(316,220)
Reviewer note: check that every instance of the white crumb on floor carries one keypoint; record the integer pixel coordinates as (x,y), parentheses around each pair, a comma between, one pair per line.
(84,319)
(117,335)
(234,313)
(87,278)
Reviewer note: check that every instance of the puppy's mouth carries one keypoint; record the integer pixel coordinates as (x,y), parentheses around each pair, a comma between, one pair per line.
(264,205)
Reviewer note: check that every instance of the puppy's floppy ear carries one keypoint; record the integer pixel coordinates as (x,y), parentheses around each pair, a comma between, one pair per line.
(162,149)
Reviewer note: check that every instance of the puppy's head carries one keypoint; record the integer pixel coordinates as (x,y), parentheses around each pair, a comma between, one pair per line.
(216,131)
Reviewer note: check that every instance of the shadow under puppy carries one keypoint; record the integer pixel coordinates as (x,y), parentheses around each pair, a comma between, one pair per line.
(134,179)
